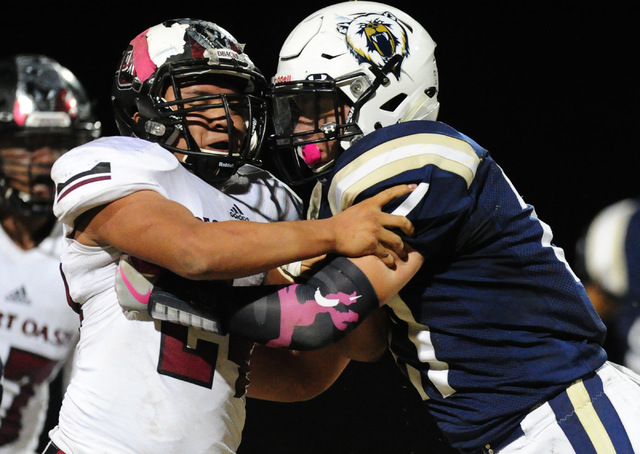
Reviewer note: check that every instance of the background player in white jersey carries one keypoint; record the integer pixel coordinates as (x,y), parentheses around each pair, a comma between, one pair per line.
(44,111)
(608,256)
(493,329)
(190,97)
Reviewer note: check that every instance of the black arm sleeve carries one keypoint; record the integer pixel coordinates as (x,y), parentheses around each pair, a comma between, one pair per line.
(311,315)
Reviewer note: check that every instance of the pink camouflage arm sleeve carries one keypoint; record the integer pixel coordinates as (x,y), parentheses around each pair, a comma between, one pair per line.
(311,315)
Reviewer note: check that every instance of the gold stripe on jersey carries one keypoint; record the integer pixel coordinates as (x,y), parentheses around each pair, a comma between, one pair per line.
(581,401)
(420,337)
(314,202)
(399,155)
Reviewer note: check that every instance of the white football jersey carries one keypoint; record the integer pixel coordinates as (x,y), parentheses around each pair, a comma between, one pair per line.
(38,331)
(141,387)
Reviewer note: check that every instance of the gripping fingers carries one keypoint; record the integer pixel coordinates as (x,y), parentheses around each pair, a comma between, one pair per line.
(392,242)
(383,254)
(398,222)
(386,196)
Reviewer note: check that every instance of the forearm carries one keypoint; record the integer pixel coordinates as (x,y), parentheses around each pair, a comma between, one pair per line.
(168,235)
(290,376)
(244,248)
(300,316)
(294,317)
(303,316)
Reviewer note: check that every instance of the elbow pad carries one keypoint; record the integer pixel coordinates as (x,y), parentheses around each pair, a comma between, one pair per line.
(311,315)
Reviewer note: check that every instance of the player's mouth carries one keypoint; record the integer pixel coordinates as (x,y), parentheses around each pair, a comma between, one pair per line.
(222,146)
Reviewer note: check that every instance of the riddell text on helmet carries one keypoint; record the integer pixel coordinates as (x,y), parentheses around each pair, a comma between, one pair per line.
(280,79)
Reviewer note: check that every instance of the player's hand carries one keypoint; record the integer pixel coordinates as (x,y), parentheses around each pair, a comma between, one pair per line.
(147,292)
(364,229)
(133,289)
(294,272)
(310,266)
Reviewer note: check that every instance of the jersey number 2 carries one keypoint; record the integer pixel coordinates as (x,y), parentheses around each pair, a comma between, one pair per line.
(198,365)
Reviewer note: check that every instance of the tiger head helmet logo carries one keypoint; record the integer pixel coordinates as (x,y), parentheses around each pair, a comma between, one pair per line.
(375,38)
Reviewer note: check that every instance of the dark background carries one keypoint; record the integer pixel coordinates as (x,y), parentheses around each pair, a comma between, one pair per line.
(550,88)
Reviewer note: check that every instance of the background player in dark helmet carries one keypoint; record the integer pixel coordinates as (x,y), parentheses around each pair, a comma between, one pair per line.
(43,107)
(44,112)
(493,329)
(189,95)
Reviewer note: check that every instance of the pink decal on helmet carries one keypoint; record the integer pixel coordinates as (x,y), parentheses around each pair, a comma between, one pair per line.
(19,113)
(143,65)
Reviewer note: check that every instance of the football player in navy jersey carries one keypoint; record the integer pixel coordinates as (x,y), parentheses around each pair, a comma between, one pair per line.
(487,319)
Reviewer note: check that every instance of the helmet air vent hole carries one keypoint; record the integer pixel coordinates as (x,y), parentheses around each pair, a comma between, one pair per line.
(393,103)
(431,92)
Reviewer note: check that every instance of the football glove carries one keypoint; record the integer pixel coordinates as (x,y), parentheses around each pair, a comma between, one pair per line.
(146,297)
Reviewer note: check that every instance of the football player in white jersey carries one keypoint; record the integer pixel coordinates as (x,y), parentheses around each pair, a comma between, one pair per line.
(44,113)
(189,99)
(608,258)
(493,328)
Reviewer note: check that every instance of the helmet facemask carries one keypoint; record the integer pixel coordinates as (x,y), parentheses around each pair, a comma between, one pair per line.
(306,114)
(242,118)
(26,187)
(300,106)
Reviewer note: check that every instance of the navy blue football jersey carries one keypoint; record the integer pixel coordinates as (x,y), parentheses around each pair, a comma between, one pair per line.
(495,322)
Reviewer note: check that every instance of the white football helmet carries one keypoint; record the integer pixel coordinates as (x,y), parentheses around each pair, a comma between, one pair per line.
(372,56)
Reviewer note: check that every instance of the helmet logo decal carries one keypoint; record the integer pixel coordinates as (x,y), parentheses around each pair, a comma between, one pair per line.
(155,46)
(176,41)
(375,38)
(144,67)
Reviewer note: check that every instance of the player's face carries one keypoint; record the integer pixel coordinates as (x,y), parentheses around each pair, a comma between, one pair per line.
(27,168)
(319,113)
(209,124)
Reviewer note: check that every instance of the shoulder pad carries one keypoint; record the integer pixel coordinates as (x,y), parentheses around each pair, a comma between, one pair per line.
(105,170)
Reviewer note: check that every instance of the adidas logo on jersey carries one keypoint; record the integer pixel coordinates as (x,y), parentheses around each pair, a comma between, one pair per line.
(18,296)
(237,213)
